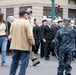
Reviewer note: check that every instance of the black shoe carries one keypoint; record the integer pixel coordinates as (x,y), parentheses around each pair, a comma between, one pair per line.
(42,56)
(47,58)
(74,56)
(4,65)
(67,74)
(8,54)
(53,54)
(59,73)
(73,59)
(36,62)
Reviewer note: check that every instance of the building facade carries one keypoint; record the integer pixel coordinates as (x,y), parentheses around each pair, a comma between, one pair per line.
(40,7)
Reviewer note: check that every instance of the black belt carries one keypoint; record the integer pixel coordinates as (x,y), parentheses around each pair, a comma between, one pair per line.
(2,35)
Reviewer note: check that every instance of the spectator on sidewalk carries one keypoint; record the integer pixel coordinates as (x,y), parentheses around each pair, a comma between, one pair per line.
(3,39)
(21,41)
(33,57)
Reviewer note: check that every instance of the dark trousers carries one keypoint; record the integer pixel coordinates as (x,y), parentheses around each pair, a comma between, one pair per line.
(8,47)
(42,49)
(17,55)
(47,48)
(37,44)
(65,58)
(52,48)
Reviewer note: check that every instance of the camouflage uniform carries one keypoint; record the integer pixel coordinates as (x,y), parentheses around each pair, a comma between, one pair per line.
(64,44)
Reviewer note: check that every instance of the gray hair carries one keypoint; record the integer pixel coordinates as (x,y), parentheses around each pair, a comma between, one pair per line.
(9,17)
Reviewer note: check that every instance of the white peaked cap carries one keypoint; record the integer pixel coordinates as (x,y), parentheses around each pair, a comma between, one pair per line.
(44,18)
(72,21)
(10,17)
(49,19)
(60,20)
(29,9)
(55,20)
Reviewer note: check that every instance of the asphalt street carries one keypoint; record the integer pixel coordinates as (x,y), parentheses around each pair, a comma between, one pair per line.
(44,68)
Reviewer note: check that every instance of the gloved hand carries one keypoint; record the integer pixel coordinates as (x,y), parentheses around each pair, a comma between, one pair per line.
(33,48)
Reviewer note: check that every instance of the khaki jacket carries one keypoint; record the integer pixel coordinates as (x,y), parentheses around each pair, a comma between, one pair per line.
(21,35)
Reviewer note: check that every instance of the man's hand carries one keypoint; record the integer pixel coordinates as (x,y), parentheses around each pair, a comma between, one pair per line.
(9,38)
(53,40)
(33,48)
(57,56)
(44,40)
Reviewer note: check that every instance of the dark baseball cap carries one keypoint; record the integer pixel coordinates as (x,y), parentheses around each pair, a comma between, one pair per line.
(22,12)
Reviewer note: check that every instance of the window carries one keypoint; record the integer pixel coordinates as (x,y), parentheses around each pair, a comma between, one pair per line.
(47,12)
(9,12)
(25,7)
(71,1)
(72,14)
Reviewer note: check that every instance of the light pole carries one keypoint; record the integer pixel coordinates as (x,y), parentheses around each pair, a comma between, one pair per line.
(53,9)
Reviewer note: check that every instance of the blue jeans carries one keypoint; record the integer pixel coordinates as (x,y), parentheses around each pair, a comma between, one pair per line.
(19,55)
(3,45)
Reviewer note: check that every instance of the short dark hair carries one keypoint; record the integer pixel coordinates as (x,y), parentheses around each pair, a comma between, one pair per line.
(1,17)
(35,19)
(60,21)
(31,12)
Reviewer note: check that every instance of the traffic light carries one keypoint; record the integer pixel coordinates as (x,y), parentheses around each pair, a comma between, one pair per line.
(57,9)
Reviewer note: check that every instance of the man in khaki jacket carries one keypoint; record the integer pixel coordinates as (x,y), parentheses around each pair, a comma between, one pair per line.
(21,41)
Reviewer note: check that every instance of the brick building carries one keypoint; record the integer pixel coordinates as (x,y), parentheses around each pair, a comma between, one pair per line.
(40,7)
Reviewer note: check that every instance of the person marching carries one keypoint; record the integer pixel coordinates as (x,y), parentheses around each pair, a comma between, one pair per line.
(10,20)
(36,34)
(47,39)
(44,22)
(64,44)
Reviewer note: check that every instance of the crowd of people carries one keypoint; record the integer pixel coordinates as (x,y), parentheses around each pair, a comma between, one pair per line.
(24,37)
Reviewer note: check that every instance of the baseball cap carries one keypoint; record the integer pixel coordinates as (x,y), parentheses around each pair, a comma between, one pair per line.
(22,12)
